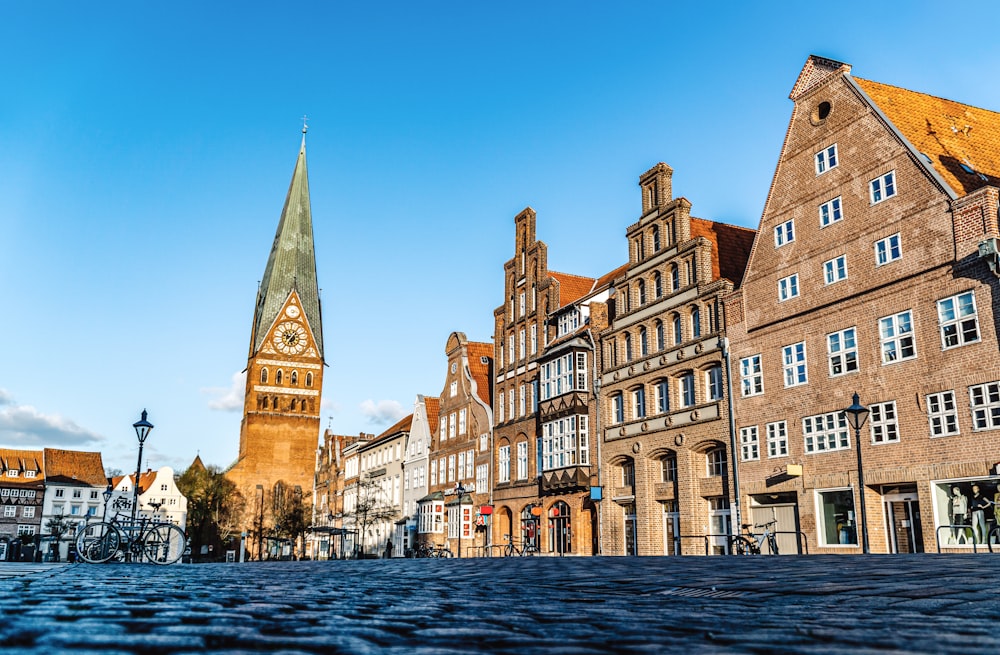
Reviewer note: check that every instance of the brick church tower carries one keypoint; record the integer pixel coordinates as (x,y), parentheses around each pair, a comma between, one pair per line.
(280,429)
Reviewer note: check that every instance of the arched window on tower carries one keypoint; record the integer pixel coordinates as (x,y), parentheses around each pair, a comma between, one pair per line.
(263,375)
(309,379)
(264,402)
(295,378)
(278,376)
(294,404)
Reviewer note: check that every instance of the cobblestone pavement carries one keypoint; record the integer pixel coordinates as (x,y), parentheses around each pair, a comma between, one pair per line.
(810,605)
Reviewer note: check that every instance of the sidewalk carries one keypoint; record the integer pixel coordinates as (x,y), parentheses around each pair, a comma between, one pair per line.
(20,569)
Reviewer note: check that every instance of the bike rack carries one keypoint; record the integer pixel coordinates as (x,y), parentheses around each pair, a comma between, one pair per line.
(937,536)
(680,537)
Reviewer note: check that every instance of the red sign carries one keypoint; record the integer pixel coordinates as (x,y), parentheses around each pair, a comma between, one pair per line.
(486,510)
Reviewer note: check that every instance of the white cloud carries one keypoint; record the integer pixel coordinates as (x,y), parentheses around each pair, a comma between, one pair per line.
(23,426)
(231,399)
(383,411)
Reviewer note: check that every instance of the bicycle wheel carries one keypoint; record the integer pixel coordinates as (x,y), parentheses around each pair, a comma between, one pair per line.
(98,542)
(508,550)
(164,544)
(743,546)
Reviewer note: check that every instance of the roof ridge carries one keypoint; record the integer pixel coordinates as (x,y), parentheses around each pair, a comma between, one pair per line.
(929,95)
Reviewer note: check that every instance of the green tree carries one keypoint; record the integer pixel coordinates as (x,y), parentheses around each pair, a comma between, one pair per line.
(215,506)
(290,513)
(58,526)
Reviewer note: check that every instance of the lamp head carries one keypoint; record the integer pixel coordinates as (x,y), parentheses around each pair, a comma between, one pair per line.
(857,413)
(142,428)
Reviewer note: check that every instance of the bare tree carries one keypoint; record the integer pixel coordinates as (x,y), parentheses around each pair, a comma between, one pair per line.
(372,507)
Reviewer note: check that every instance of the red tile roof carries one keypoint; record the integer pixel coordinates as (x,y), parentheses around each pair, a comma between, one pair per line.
(20,461)
(74,466)
(477,350)
(433,407)
(609,277)
(731,246)
(949,133)
(572,287)
(403,425)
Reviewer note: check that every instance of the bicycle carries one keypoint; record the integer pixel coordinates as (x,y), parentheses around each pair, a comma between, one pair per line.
(521,550)
(423,550)
(750,543)
(142,540)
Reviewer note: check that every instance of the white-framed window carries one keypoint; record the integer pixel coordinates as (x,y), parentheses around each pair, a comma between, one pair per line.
(520,401)
(793,364)
(520,304)
(522,460)
(453,389)
(503,464)
(28,512)
(668,469)
(896,336)
(687,390)
(825,432)
(662,388)
(482,476)
(883,187)
(510,401)
(434,473)
(788,287)
(984,401)
(534,338)
(470,461)
(520,344)
(25,530)
(9,511)
(836,517)
(884,424)
(565,443)
(564,374)
(777,439)
(617,408)
(826,159)
(713,382)
(715,461)
(639,403)
(451,468)
(959,320)
(887,250)
(510,349)
(835,269)
(500,408)
(751,376)
(942,414)
(784,233)
(569,321)
(461,466)
(749,443)
(461,420)
(830,212)
(842,349)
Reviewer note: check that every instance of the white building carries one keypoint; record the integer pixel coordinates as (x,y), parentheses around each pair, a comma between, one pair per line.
(424,425)
(74,490)
(159,497)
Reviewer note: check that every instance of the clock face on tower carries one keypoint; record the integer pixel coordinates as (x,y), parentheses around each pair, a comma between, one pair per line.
(290,338)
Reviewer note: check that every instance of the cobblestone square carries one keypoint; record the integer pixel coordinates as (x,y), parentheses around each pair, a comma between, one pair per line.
(816,604)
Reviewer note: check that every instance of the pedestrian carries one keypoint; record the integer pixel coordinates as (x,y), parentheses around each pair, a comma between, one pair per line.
(388,549)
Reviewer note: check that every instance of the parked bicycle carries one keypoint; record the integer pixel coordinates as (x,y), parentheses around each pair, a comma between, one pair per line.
(144,540)
(424,550)
(749,543)
(520,549)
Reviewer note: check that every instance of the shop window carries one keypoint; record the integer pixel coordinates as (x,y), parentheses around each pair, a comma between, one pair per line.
(837,523)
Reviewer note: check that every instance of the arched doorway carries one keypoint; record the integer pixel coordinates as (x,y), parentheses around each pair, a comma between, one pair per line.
(529,527)
(560,526)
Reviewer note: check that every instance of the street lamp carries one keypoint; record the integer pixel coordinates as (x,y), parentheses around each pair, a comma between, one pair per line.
(107,498)
(329,536)
(856,415)
(460,491)
(142,428)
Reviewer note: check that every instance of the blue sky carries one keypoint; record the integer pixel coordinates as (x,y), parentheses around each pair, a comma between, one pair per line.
(146,148)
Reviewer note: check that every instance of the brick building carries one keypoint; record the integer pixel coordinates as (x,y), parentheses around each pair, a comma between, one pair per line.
(873,273)
(567,416)
(280,430)
(521,332)
(328,495)
(665,422)
(459,452)
(22,488)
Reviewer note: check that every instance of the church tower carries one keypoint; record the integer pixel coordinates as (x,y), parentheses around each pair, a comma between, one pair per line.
(280,429)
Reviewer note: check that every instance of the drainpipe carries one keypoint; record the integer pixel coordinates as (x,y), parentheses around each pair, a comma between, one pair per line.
(737,517)
(599,436)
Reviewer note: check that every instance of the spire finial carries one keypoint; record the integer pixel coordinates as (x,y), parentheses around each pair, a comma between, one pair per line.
(305,126)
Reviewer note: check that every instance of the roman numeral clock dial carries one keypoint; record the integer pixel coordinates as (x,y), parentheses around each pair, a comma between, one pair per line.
(290,338)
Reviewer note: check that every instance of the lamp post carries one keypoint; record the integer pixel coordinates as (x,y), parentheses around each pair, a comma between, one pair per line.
(856,415)
(142,428)
(329,536)
(107,498)
(460,491)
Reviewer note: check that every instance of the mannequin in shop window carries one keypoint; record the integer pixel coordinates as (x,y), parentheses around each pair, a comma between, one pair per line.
(958,514)
(978,504)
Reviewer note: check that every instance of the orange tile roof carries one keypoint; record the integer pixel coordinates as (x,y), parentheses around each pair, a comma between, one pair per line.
(949,133)
(403,425)
(74,466)
(610,276)
(21,460)
(433,407)
(731,246)
(480,371)
(572,287)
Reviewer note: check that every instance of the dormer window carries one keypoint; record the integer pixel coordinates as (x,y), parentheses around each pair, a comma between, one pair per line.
(29,474)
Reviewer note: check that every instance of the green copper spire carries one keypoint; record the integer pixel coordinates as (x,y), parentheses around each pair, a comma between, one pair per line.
(292,263)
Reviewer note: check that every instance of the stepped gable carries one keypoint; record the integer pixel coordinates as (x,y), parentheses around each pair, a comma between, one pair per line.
(962,142)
